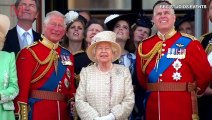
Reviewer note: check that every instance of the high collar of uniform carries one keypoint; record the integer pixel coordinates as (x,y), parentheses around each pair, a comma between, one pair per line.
(167,35)
(48,43)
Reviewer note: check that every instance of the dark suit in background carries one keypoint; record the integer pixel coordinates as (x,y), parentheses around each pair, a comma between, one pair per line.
(12,40)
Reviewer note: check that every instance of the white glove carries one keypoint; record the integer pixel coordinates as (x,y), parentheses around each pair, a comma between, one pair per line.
(107,117)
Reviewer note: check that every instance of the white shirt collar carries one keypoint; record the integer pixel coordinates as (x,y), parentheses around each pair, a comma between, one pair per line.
(21,31)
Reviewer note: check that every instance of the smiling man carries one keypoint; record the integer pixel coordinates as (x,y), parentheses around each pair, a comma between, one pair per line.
(46,75)
(22,34)
(172,67)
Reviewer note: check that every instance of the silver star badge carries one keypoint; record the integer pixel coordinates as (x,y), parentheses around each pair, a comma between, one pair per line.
(177,64)
(176,76)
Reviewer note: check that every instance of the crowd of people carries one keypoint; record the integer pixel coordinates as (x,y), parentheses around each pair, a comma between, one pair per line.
(80,68)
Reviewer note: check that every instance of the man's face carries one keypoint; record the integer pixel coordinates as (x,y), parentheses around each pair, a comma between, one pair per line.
(163,18)
(54,29)
(27,10)
(210,12)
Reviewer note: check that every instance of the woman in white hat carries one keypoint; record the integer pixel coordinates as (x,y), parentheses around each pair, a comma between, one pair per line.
(105,90)
(8,78)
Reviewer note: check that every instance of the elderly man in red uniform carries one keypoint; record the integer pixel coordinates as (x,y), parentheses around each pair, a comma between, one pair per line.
(173,68)
(45,75)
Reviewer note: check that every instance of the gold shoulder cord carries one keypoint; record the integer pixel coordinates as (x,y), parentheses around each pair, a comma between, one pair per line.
(49,59)
(149,56)
(208,48)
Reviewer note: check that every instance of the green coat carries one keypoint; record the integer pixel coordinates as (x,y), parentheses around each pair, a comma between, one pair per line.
(8,85)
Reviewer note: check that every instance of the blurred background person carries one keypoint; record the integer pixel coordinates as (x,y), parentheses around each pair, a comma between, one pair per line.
(206,39)
(86,15)
(74,39)
(105,90)
(204,102)
(8,79)
(185,24)
(141,29)
(93,27)
(23,34)
(121,25)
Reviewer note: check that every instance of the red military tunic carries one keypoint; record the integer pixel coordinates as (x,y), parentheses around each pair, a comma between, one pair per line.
(36,69)
(172,105)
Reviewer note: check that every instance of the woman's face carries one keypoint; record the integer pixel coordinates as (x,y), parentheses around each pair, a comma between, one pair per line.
(103,53)
(92,30)
(122,30)
(141,33)
(75,32)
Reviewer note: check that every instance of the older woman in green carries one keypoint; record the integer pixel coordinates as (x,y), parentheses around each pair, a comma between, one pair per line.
(8,78)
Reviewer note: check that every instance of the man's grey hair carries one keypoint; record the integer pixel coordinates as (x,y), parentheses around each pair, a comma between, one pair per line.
(53,13)
(163,2)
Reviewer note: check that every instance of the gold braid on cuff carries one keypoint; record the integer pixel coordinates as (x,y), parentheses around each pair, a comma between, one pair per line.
(23,111)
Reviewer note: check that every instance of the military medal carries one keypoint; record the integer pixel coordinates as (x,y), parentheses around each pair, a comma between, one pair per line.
(176,76)
(172,55)
(66,60)
(169,53)
(183,53)
(177,64)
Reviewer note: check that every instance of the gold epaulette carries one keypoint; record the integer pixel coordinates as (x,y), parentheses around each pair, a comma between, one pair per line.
(203,36)
(208,48)
(189,36)
(147,38)
(31,45)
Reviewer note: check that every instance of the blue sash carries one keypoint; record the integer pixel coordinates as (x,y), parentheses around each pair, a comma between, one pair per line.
(51,83)
(164,63)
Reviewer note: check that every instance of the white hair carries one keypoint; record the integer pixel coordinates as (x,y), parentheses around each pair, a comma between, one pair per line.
(53,13)
(163,3)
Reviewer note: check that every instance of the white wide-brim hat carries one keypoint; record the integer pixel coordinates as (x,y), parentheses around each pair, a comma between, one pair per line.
(4,25)
(104,36)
